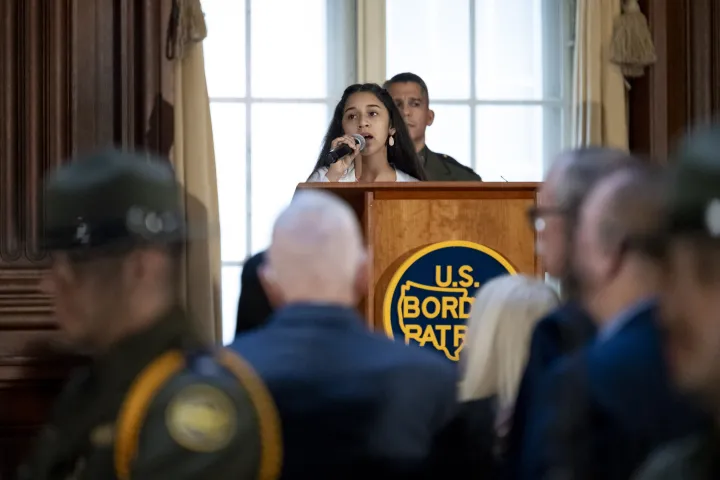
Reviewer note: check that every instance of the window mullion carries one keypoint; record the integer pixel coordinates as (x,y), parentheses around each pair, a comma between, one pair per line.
(473,93)
(371,41)
(248,128)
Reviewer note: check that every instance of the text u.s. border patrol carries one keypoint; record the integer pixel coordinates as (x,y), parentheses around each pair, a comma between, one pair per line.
(430,296)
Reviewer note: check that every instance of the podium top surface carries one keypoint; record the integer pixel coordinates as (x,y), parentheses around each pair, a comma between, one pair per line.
(350,187)
(354,192)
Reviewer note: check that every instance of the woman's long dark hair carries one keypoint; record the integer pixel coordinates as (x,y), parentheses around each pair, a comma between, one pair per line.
(401,155)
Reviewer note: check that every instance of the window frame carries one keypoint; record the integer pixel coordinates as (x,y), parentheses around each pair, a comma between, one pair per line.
(562,103)
(342,71)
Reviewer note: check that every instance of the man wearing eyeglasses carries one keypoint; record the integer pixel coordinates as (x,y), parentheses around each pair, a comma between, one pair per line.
(555,218)
(603,411)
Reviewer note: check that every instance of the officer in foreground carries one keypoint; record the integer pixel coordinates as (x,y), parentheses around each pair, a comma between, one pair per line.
(411,96)
(691,302)
(155,403)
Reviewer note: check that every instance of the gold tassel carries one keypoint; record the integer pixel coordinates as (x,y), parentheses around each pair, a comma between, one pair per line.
(187,26)
(632,46)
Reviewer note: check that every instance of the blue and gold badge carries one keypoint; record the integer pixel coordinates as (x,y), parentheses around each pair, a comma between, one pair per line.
(429,298)
(202,418)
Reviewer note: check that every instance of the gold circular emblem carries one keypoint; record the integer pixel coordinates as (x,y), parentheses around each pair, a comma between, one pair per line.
(202,418)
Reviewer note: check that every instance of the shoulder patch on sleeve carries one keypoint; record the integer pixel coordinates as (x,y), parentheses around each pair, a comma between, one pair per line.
(201,418)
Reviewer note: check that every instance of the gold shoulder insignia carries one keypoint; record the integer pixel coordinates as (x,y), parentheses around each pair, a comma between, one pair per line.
(201,418)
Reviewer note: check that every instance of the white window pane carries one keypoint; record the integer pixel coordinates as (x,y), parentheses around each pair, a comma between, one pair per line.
(510,143)
(230,150)
(450,132)
(289,48)
(431,38)
(230,296)
(509,49)
(281,160)
(224,47)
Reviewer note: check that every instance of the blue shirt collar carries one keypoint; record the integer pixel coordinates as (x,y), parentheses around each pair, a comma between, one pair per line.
(616,324)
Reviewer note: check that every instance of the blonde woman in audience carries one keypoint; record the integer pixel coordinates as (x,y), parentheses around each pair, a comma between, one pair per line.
(494,355)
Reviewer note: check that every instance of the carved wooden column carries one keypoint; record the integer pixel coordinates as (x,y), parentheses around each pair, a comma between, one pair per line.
(75,75)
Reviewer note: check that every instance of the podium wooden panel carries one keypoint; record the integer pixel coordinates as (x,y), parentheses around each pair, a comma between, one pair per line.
(399,219)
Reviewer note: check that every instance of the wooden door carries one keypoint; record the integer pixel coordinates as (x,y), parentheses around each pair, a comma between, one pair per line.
(75,75)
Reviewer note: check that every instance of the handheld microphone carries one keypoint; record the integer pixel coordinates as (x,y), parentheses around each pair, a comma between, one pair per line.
(343,149)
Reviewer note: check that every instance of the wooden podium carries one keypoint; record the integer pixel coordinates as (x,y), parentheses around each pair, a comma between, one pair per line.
(399,219)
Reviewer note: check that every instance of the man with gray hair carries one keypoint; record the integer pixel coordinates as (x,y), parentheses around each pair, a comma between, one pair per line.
(555,218)
(353,403)
(603,410)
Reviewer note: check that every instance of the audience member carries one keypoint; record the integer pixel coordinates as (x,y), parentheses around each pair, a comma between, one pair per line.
(493,358)
(353,403)
(691,303)
(253,305)
(568,327)
(602,411)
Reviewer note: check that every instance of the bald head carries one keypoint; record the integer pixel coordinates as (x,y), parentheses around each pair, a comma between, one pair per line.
(615,260)
(630,206)
(317,253)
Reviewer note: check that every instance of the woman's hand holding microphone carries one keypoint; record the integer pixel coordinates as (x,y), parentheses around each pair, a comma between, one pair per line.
(338,169)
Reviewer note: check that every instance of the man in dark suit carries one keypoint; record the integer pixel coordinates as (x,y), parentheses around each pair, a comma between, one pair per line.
(353,403)
(555,219)
(602,411)
(411,96)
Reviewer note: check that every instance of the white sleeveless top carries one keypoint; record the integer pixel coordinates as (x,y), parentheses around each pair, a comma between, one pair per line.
(320,176)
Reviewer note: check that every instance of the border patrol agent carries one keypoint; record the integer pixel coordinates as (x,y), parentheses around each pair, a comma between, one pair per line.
(155,403)
(691,240)
(412,98)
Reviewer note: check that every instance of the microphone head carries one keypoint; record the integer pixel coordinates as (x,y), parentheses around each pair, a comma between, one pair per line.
(360,140)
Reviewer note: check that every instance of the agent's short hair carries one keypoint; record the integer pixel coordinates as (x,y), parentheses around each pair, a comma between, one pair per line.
(407,77)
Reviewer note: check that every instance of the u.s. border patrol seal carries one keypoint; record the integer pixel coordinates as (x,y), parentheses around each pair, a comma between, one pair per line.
(429,298)
(201,418)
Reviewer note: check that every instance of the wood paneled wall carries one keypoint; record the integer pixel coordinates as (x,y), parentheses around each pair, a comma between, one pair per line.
(75,75)
(683,88)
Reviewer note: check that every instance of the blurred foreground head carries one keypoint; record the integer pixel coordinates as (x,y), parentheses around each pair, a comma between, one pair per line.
(115,228)
(614,263)
(691,295)
(573,174)
(501,323)
(317,254)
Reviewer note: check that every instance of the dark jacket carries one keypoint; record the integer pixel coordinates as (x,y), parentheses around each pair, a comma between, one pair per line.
(443,168)
(561,332)
(253,305)
(479,444)
(693,458)
(353,403)
(602,411)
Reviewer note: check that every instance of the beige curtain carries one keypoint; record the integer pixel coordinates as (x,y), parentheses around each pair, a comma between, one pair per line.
(599,91)
(194,160)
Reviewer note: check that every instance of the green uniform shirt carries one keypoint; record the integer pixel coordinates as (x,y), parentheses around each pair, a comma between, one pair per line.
(443,168)
(177,440)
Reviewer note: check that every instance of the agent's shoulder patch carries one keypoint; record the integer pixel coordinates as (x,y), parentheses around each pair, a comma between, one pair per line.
(201,418)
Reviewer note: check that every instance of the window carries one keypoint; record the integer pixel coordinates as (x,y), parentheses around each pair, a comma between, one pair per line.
(275,70)
(498,74)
